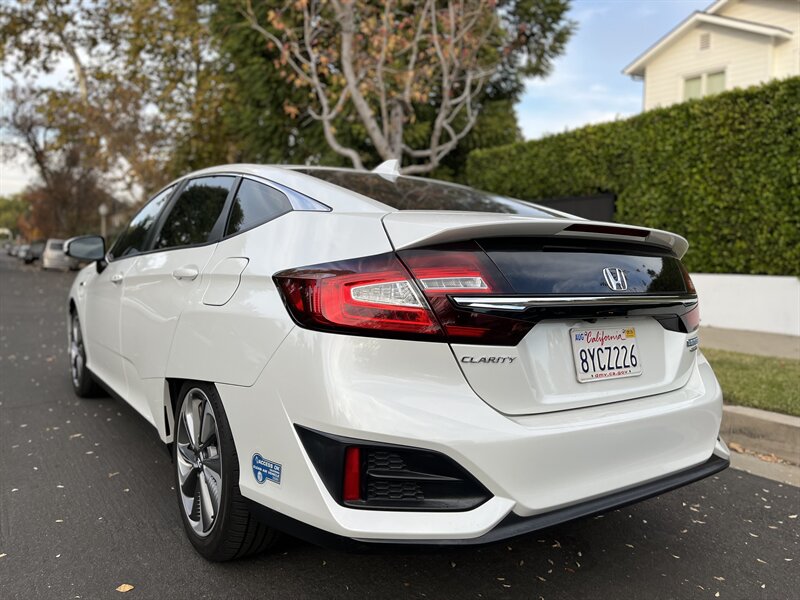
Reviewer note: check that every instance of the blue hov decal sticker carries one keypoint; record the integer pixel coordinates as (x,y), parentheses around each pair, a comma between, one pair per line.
(266,470)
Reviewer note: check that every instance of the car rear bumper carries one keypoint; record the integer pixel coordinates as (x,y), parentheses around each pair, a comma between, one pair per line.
(540,469)
(512,525)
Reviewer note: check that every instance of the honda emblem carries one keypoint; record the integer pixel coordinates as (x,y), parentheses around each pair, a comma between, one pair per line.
(615,279)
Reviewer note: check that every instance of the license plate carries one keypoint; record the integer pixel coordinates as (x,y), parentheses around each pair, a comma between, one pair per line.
(605,353)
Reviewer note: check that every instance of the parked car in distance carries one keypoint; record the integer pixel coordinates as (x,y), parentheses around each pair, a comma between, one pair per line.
(22,250)
(367,357)
(54,257)
(34,252)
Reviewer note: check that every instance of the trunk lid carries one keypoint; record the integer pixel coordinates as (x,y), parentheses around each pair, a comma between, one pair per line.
(556,283)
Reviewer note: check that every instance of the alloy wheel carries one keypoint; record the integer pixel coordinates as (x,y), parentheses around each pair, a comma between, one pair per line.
(77,354)
(199,462)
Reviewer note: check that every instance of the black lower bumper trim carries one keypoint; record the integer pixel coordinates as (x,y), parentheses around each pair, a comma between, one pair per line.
(510,527)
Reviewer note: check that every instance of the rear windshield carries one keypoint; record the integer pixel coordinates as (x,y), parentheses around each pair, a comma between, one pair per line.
(56,245)
(416,193)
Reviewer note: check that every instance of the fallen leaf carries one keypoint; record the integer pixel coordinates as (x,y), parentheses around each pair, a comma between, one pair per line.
(736,447)
(125,587)
(770,458)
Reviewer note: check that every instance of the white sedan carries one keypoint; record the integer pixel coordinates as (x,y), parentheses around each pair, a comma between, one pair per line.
(363,357)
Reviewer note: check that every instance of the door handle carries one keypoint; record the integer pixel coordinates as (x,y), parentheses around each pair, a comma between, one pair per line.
(189,273)
(116,278)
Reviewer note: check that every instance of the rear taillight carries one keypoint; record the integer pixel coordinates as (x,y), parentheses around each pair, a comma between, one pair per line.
(691,318)
(464,270)
(373,296)
(378,296)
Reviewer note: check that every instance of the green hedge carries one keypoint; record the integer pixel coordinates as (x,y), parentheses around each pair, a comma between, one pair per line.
(724,172)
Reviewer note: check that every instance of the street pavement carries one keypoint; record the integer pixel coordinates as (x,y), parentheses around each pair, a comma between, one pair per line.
(87,504)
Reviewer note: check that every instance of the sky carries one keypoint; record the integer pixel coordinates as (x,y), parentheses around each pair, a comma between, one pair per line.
(586,85)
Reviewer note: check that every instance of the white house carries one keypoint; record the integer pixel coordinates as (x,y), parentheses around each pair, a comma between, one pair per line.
(733,43)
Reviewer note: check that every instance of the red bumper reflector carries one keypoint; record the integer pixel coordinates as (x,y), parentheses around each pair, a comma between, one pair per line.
(352,474)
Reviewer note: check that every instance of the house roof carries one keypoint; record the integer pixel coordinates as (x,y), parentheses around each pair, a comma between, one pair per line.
(636,68)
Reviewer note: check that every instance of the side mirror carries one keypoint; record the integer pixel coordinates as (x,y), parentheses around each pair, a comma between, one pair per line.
(86,247)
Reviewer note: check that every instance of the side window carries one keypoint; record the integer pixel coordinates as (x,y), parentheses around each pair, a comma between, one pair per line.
(255,204)
(195,212)
(133,239)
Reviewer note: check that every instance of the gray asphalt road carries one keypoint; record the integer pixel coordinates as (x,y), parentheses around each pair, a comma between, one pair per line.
(86,504)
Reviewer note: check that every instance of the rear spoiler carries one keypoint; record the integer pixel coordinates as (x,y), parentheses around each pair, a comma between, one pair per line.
(413,229)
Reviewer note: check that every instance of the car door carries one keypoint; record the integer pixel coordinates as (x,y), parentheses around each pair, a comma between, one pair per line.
(101,322)
(162,282)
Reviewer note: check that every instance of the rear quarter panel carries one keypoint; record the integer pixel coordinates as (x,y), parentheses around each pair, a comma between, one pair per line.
(231,343)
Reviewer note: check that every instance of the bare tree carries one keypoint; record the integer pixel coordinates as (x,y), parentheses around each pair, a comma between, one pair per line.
(380,63)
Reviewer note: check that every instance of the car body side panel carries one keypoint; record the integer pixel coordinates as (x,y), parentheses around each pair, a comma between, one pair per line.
(152,302)
(232,343)
(100,320)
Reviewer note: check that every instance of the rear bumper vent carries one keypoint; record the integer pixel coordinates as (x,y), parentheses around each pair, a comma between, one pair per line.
(391,477)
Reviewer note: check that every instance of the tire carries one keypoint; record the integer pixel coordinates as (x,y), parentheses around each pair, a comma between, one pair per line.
(213,510)
(83,384)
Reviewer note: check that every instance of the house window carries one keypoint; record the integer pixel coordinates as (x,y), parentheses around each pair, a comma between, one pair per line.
(715,83)
(705,41)
(692,88)
(706,84)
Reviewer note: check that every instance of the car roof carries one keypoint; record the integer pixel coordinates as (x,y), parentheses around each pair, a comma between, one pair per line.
(329,194)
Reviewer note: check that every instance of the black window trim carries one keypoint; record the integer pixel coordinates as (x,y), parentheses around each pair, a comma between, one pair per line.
(180,185)
(176,186)
(219,226)
(259,181)
(298,201)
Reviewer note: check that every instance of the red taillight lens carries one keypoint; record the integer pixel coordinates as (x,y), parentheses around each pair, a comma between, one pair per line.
(374,295)
(691,319)
(351,488)
(464,270)
(377,296)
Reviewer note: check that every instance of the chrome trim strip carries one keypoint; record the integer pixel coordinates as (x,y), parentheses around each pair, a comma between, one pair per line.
(524,303)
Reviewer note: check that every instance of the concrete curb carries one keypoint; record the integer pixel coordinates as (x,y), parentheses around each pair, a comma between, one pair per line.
(762,431)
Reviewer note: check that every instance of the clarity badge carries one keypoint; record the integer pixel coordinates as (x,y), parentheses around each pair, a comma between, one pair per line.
(266,470)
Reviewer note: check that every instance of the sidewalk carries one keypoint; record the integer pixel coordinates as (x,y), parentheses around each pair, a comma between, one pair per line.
(751,342)
(759,432)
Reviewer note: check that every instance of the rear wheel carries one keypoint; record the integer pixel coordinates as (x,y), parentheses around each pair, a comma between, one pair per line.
(213,511)
(83,384)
